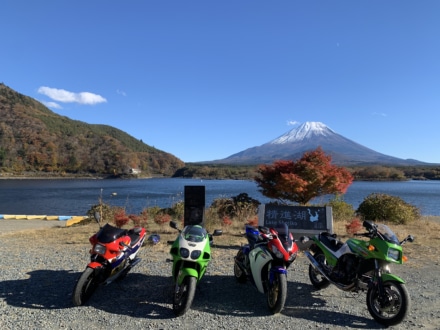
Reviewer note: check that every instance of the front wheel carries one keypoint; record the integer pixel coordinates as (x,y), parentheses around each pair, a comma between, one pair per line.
(85,287)
(392,307)
(184,295)
(277,293)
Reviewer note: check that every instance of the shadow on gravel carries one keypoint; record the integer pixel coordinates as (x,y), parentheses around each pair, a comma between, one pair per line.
(223,295)
(301,303)
(44,289)
(137,295)
(150,296)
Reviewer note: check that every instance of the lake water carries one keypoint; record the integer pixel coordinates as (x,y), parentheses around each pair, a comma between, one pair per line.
(76,196)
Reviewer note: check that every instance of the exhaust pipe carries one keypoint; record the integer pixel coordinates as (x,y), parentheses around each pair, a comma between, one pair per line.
(318,267)
(135,262)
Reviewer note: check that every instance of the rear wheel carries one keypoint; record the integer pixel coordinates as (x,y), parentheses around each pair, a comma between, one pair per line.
(317,279)
(85,286)
(392,307)
(239,274)
(184,295)
(277,293)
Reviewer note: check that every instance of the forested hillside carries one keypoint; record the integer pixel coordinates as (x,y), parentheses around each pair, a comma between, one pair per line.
(33,139)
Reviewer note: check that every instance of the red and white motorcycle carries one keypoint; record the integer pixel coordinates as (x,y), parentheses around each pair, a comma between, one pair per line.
(264,262)
(113,253)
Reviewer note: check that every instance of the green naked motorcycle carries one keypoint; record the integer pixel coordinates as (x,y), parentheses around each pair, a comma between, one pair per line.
(363,265)
(191,253)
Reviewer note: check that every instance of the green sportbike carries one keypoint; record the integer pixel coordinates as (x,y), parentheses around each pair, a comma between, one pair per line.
(191,253)
(363,265)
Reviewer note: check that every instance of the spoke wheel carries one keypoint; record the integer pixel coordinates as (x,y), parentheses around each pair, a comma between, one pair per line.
(392,307)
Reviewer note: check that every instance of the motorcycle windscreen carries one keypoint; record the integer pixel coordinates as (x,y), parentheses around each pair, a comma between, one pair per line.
(194,233)
(108,233)
(285,236)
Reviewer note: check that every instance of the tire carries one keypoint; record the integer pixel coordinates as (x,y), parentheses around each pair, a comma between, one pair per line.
(184,295)
(239,274)
(85,286)
(318,281)
(277,293)
(396,306)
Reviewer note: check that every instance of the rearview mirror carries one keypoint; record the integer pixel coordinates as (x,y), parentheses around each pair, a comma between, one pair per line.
(217,232)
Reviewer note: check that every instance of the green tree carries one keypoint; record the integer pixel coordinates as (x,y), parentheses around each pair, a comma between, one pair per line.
(300,181)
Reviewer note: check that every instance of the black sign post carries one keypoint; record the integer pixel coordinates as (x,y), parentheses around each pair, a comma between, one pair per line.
(194,211)
(301,220)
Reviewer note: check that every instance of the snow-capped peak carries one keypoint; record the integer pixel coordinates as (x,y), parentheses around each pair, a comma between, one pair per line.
(304,131)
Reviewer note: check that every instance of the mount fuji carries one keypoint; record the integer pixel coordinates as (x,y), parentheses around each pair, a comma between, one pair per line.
(307,137)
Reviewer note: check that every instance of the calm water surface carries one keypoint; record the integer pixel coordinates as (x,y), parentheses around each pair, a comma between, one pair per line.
(75,197)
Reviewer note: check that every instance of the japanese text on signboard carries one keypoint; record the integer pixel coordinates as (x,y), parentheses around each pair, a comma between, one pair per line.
(296,217)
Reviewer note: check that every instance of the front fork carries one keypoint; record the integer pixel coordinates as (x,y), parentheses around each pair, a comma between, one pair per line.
(276,270)
(379,280)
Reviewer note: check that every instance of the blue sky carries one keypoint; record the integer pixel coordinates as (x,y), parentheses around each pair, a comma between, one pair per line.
(203,80)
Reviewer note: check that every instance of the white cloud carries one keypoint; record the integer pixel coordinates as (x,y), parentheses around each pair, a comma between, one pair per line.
(292,123)
(62,95)
(379,114)
(52,105)
(118,91)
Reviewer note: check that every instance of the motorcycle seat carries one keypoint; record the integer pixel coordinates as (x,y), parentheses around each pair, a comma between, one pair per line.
(135,230)
(253,236)
(134,236)
(330,241)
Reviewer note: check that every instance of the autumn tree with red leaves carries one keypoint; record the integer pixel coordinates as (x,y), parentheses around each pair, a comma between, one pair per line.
(300,181)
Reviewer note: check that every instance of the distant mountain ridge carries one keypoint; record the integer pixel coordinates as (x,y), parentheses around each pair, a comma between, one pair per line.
(307,137)
(33,139)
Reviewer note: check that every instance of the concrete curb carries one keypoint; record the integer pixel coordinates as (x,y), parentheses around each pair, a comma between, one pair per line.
(69,220)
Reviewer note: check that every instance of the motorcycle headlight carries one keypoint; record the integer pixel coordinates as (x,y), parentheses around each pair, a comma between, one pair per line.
(195,254)
(99,249)
(277,252)
(394,254)
(184,253)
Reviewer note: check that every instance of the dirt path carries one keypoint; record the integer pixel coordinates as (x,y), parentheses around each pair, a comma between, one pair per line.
(8,226)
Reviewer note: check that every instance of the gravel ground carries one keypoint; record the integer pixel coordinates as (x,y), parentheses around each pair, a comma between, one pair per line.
(8,226)
(37,279)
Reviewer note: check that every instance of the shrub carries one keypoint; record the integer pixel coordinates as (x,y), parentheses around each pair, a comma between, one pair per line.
(161,219)
(136,219)
(384,207)
(105,211)
(121,219)
(253,221)
(239,207)
(354,226)
(341,210)
(227,222)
